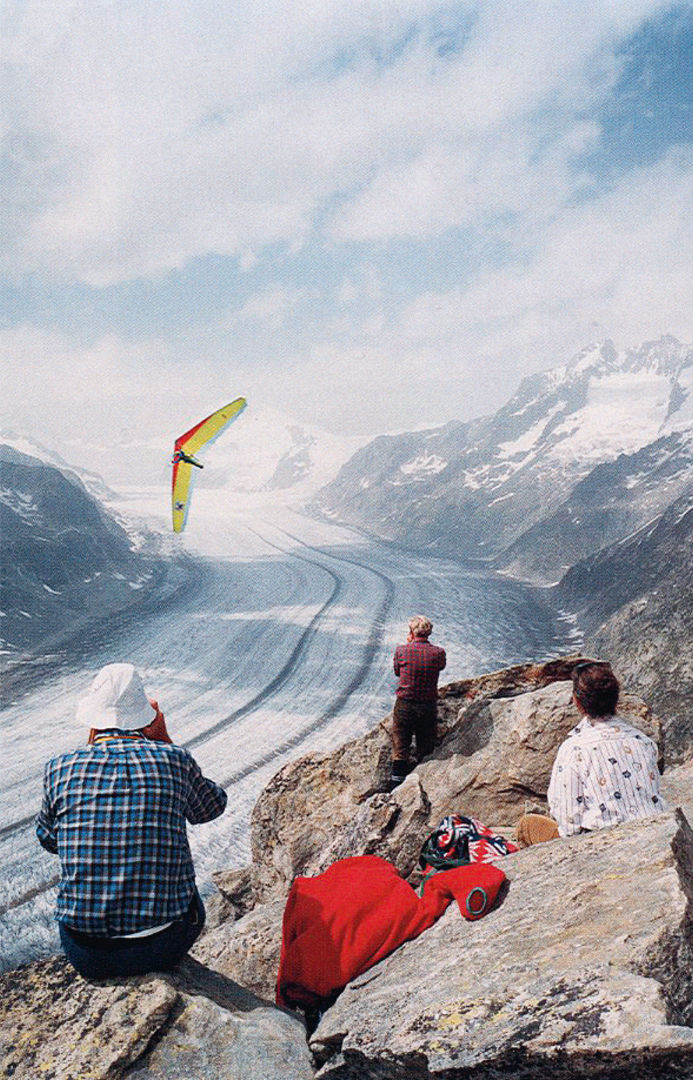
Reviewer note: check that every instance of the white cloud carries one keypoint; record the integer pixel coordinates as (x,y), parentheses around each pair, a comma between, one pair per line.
(143,136)
(468,183)
(269,308)
(618,266)
(103,390)
(139,137)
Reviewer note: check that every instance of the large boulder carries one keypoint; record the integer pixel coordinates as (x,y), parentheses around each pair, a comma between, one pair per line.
(585,969)
(500,753)
(247,950)
(190,1025)
(499,735)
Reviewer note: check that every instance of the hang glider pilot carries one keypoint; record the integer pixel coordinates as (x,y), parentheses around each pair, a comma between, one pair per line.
(180,455)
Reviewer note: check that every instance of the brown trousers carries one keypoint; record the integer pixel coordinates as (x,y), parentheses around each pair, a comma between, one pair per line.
(415,719)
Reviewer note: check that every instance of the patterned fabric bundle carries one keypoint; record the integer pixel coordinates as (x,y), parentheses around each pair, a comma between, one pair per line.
(459,840)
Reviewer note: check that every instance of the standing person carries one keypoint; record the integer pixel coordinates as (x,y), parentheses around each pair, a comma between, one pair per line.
(115,813)
(604,773)
(417,663)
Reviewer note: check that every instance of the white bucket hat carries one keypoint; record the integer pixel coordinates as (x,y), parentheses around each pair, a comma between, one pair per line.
(116,699)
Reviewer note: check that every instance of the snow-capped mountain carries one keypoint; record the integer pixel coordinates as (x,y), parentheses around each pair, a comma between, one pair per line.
(268,451)
(478,489)
(613,502)
(94,483)
(583,480)
(263,450)
(66,563)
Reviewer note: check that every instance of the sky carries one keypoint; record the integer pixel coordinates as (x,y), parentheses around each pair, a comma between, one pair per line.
(371,216)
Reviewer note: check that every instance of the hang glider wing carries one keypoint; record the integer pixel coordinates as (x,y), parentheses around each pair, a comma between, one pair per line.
(191,443)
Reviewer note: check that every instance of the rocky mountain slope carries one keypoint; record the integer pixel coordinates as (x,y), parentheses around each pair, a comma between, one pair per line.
(583,969)
(578,457)
(633,601)
(614,501)
(65,561)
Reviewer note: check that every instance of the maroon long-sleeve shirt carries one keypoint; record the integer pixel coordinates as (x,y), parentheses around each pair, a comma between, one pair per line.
(418,663)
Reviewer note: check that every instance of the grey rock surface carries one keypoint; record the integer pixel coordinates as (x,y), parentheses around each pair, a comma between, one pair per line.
(650,640)
(190,1025)
(247,950)
(632,600)
(677,785)
(500,753)
(500,734)
(584,969)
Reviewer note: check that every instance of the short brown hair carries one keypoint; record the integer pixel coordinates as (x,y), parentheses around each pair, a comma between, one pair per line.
(596,687)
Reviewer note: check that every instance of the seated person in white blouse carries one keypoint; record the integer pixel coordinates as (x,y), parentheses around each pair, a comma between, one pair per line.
(605,772)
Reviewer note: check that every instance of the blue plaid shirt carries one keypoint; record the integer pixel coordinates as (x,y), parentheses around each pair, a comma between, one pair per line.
(115,813)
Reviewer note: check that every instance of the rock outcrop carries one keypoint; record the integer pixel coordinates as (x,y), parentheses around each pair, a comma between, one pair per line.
(498,737)
(677,785)
(583,969)
(191,1025)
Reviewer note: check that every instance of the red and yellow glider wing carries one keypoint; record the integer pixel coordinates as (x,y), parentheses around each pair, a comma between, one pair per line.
(191,443)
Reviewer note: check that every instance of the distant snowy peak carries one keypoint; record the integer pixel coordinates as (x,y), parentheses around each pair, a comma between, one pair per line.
(24,445)
(28,447)
(264,451)
(268,451)
(603,403)
(666,357)
(476,488)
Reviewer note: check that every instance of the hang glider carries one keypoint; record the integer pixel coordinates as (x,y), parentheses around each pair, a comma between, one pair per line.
(184,450)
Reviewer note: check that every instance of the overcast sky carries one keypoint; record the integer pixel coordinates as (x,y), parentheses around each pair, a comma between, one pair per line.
(371,215)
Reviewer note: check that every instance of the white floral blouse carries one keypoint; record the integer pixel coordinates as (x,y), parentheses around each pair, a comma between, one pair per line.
(604,773)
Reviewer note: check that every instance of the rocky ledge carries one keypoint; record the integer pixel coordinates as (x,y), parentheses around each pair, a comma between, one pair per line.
(189,1025)
(583,969)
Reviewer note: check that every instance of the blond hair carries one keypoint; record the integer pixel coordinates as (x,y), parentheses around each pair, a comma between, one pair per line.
(420,626)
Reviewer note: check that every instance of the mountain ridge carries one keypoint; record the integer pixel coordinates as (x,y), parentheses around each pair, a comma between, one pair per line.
(581,483)
(67,562)
(472,489)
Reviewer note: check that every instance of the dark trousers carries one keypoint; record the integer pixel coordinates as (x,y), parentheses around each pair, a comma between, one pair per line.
(415,719)
(104,958)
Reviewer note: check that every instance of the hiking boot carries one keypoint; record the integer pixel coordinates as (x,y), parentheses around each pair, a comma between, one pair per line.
(400,770)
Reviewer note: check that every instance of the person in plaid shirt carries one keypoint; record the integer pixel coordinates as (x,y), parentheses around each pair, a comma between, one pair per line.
(115,813)
(417,663)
